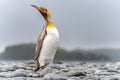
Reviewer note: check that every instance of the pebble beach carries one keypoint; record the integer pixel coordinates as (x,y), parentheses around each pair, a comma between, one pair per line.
(60,71)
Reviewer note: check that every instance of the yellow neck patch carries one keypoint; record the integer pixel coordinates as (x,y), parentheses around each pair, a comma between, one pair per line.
(50,25)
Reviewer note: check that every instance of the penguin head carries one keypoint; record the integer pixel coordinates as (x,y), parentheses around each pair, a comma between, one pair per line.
(44,12)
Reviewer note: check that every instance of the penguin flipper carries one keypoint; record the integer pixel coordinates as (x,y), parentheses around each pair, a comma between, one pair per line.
(39,43)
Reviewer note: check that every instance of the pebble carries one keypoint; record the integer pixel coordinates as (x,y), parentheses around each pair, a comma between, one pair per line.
(52,76)
(74,78)
(75,73)
(3,69)
(60,71)
(20,73)
(58,66)
(6,74)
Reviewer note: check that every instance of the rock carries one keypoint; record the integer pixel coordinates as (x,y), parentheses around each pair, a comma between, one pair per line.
(5,78)
(75,73)
(15,67)
(104,78)
(115,77)
(7,67)
(20,66)
(22,78)
(74,78)
(51,76)
(20,73)
(117,64)
(46,71)
(76,68)
(6,74)
(19,78)
(74,64)
(30,78)
(92,78)
(3,69)
(64,70)
(97,72)
(58,66)
(112,69)
(103,73)
(91,70)
(35,75)
(108,65)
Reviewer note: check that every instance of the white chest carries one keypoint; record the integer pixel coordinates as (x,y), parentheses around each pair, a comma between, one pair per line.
(49,47)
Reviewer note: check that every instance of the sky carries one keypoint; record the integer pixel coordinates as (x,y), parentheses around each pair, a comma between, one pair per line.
(86,24)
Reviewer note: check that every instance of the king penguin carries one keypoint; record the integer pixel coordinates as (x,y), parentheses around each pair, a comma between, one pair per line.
(47,42)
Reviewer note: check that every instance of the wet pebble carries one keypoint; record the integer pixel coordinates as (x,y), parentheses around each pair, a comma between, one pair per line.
(20,73)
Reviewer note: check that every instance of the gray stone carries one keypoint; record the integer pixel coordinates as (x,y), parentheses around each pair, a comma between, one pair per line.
(74,78)
(112,69)
(35,75)
(75,73)
(20,66)
(115,77)
(30,78)
(58,66)
(22,78)
(104,73)
(51,76)
(46,71)
(6,67)
(97,71)
(6,74)
(64,70)
(76,68)
(91,78)
(104,77)
(15,67)
(2,69)
(19,78)
(20,73)
(6,78)
(91,70)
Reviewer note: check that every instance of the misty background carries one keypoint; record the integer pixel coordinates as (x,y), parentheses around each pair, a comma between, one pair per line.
(83,24)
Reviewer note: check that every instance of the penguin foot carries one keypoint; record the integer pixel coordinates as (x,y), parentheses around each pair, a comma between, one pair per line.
(35,70)
(42,67)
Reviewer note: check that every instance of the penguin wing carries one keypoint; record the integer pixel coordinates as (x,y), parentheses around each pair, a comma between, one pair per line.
(39,43)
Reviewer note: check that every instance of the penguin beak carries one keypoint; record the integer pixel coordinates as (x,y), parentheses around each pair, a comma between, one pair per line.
(38,8)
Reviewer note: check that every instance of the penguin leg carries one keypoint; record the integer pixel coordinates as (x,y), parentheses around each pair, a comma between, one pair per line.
(42,67)
(37,66)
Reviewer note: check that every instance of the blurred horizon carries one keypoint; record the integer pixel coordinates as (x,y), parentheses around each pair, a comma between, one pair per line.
(83,24)
(26,51)
(78,48)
